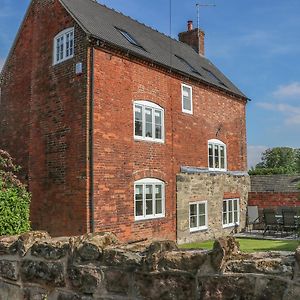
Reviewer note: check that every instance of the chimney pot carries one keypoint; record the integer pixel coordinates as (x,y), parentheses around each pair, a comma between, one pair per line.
(190,25)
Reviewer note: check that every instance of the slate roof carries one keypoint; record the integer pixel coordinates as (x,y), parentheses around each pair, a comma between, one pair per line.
(103,23)
(275,183)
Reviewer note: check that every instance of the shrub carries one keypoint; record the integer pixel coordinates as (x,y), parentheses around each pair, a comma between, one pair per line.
(14,199)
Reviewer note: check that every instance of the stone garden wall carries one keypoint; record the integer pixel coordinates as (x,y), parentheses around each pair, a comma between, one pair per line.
(34,266)
(212,187)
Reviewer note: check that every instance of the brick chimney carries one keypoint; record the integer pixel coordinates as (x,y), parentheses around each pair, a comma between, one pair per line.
(193,37)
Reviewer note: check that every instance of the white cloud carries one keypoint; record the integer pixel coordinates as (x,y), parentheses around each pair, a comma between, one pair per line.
(254,154)
(288,91)
(291,112)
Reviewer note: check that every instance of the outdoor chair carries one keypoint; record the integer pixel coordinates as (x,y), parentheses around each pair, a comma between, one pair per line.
(253,217)
(289,221)
(270,221)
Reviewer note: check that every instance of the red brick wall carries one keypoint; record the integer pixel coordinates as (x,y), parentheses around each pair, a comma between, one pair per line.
(55,136)
(52,145)
(273,200)
(119,160)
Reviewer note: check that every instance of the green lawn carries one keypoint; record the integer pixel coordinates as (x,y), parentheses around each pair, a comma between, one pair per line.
(250,245)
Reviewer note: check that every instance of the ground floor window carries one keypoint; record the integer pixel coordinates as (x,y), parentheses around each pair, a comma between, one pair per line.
(231,212)
(149,199)
(198,216)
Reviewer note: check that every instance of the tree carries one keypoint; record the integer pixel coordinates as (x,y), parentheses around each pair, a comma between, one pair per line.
(279,160)
(14,199)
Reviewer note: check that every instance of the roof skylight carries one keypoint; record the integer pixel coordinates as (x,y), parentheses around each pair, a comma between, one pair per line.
(129,38)
(188,65)
(214,77)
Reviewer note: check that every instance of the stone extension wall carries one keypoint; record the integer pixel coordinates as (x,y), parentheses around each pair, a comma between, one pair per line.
(212,187)
(34,266)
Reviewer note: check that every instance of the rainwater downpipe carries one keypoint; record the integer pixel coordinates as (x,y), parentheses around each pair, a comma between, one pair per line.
(91,144)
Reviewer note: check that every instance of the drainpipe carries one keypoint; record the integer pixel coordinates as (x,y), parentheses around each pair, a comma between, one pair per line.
(91,144)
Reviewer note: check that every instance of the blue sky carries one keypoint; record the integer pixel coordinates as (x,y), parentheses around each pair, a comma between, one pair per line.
(256,43)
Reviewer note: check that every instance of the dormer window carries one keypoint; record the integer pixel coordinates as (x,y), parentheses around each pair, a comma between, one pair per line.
(217,155)
(63,47)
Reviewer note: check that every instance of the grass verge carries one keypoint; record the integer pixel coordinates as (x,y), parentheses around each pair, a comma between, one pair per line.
(250,245)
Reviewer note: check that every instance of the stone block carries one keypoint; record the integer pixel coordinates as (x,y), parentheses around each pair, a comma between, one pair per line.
(9,269)
(85,279)
(167,286)
(47,273)
(51,250)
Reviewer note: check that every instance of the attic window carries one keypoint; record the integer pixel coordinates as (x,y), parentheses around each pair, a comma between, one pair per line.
(63,46)
(214,77)
(129,38)
(188,65)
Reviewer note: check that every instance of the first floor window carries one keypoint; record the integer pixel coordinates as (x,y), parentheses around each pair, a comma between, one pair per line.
(63,45)
(217,155)
(148,121)
(187,99)
(231,212)
(198,216)
(149,199)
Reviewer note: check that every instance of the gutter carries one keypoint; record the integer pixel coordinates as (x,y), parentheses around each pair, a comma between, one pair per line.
(91,144)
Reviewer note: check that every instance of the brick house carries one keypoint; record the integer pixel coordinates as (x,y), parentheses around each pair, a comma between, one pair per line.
(120,128)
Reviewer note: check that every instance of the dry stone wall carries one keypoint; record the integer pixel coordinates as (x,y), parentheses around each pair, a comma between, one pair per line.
(34,266)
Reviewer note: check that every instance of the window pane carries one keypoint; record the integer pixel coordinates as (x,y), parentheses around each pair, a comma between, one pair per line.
(149,199)
(193,209)
(222,154)
(158,124)
(230,205)
(201,209)
(138,200)
(138,120)
(216,152)
(225,218)
(236,217)
(148,118)
(230,220)
(158,209)
(138,192)
(187,103)
(193,221)
(202,220)
(235,204)
(158,199)
(71,43)
(158,132)
(139,208)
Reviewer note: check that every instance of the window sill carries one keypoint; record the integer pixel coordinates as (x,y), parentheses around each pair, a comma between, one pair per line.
(141,219)
(148,140)
(217,170)
(231,225)
(188,112)
(199,229)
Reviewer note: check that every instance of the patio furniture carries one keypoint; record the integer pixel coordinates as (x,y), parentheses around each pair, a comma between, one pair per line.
(271,221)
(253,217)
(290,221)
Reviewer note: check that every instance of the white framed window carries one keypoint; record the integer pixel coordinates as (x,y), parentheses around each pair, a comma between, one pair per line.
(148,121)
(198,216)
(231,212)
(217,156)
(149,199)
(63,45)
(187,98)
